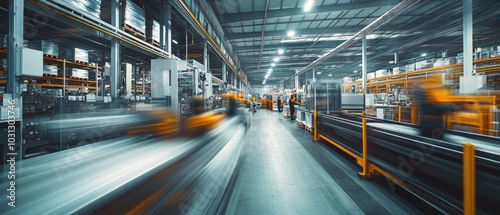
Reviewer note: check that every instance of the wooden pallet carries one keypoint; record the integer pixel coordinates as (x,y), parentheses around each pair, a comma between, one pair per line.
(131,30)
(49,75)
(153,43)
(82,62)
(78,78)
(50,56)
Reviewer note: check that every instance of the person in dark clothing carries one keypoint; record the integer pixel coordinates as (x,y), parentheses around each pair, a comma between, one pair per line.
(433,105)
(279,104)
(291,102)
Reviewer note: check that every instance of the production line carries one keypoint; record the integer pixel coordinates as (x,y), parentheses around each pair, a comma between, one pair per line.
(132,174)
(427,167)
(168,107)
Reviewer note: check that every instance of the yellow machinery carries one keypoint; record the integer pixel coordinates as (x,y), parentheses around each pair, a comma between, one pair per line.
(165,125)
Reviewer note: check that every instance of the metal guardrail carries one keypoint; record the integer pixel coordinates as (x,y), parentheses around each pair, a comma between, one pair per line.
(428,168)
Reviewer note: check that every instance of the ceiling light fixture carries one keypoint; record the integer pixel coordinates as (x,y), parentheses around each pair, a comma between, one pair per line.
(276,59)
(290,33)
(281,51)
(424,54)
(330,75)
(308,5)
(319,73)
(273,65)
(356,71)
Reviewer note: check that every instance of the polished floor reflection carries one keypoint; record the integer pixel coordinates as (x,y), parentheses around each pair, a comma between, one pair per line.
(283,172)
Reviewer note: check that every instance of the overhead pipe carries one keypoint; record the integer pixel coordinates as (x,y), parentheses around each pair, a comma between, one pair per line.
(262,36)
(386,17)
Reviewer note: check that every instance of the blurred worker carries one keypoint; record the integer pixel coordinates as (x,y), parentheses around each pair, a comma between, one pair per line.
(433,104)
(279,104)
(291,102)
(198,105)
(231,110)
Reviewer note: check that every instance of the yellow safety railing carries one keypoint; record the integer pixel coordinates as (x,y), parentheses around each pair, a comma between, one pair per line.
(469,167)
(364,137)
(469,164)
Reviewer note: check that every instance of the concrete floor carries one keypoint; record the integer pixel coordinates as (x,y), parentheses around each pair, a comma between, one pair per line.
(283,172)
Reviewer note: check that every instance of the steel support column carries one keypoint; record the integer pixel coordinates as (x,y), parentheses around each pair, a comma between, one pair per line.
(16,30)
(297,85)
(467,37)
(14,62)
(163,21)
(115,50)
(168,26)
(205,56)
(363,67)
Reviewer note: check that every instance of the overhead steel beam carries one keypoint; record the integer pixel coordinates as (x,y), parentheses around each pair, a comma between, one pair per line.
(249,16)
(302,32)
(322,44)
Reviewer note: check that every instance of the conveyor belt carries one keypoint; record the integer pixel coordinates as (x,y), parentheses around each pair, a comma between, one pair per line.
(484,143)
(86,179)
(430,168)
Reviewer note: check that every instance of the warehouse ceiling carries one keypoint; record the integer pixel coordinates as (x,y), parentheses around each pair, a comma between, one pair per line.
(258,29)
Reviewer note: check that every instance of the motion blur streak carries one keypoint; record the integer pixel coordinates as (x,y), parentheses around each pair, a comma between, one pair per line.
(136,174)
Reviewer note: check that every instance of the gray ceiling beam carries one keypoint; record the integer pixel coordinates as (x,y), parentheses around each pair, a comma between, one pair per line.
(258,15)
(321,44)
(310,31)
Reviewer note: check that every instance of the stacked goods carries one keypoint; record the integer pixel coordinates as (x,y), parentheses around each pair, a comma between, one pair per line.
(87,7)
(410,67)
(153,31)
(370,75)
(4,40)
(396,70)
(425,64)
(444,61)
(74,54)
(50,69)
(79,73)
(48,48)
(134,17)
(381,73)
(3,64)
